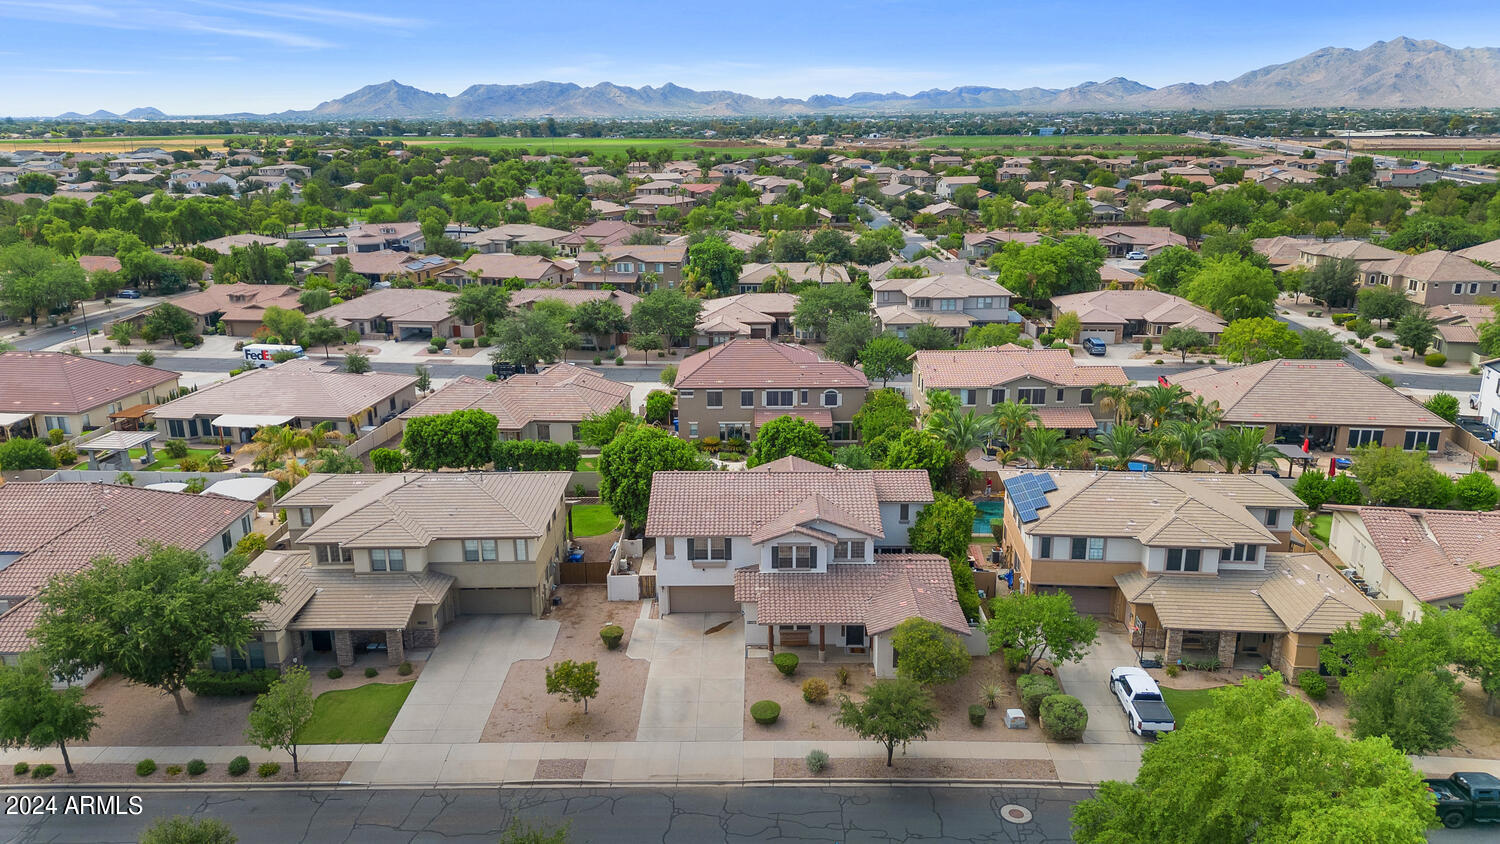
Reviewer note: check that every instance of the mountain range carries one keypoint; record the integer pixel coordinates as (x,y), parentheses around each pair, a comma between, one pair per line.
(1402,73)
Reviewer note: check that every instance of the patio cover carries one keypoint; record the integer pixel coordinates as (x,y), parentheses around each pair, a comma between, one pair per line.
(9,419)
(245,489)
(117,441)
(249,420)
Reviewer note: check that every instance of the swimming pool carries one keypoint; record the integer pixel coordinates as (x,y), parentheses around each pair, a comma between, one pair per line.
(992,509)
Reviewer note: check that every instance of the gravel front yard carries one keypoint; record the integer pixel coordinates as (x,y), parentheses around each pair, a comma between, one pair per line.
(934,769)
(125,773)
(524,710)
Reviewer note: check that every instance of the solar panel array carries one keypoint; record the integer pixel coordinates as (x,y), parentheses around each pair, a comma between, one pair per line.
(1028,493)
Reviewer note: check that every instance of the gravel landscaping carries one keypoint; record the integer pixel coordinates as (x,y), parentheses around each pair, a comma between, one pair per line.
(216,773)
(934,769)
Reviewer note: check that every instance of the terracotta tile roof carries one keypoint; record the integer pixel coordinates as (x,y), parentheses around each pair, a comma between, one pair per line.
(94,263)
(15,626)
(1116,307)
(762,363)
(944,285)
(403,305)
(574,297)
(562,393)
(1432,552)
(1359,250)
(57,383)
(890,315)
(741,503)
(1319,392)
(934,266)
(314,598)
(298,388)
(799,271)
(879,595)
(1489,252)
(1436,267)
(239,297)
(1067,418)
(973,368)
(818,416)
(790,463)
(1296,592)
(413,509)
(503,265)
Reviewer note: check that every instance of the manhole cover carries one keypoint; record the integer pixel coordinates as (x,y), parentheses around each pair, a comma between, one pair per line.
(1015,814)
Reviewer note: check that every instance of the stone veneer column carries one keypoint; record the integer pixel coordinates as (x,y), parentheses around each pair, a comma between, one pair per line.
(343,648)
(1174,646)
(395,651)
(1227,642)
(1276,654)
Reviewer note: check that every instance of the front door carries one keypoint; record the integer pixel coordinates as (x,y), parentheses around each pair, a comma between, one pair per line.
(854,636)
(322,640)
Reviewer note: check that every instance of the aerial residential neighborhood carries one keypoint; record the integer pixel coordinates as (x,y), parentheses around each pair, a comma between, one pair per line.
(747,458)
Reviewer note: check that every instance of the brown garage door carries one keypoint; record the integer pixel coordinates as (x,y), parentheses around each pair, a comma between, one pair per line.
(1090,600)
(495,601)
(701,599)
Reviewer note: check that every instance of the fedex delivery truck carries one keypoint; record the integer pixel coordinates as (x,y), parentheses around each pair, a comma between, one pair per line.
(262,355)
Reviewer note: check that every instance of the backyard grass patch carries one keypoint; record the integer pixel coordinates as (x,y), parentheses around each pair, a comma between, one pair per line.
(1322,523)
(360,715)
(166,463)
(1182,702)
(593,520)
(588,464)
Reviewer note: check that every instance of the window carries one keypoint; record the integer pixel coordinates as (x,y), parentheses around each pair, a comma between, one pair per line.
(471,550)
(1364,436)
(714,398)
(305,516)
(225,541)
(333,554)
(997,396)
(905,514)
(984,303)
(1473,287)
(1458,288)
(1059,394)
(543,431)
(708,549)
(669,546)
(1044,551)
(747,398)
(387,559)
(244,524)
(489,550)
(969,397)
(1421,439)
(849,549)
(734,430)
(1184,559)
(779,398)
(922,304)
(684,394)
(947,304)
(1240,553)
(625,267)
(521,553)
(794,557)
(57,423)
(830,398)
(1079,548)
(802,397)
(1086,396)
(1096,548)
(1037,395)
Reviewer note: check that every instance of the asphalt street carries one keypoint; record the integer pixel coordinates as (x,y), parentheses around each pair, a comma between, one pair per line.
(44,337)
(662,815)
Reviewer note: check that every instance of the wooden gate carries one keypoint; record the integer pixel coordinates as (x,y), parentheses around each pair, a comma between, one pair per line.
(572,574)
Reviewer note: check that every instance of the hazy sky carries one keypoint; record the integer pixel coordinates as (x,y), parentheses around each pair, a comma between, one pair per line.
(216,56)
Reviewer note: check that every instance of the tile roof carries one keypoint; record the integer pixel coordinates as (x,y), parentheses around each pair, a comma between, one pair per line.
(504,265)
(1001,365)
(1067,418)
(1318,392)
(239,299)
(573,297)
(561,393)
(1489,252)
(58,383)
(879,595)
(1117,307)
(1299,593)
(890,315)
(1433,552)
(740,503)
(943,285)
(799,271)
(403,305)
(413,509)
(816,415)
(314,598)
(762,363)
(1436,267)
(298,388)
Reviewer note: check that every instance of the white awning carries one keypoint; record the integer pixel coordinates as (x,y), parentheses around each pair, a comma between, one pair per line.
(245,489)
(248,420)
(9,419)
(168,486)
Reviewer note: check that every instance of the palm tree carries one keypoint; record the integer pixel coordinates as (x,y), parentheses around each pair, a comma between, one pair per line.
(1042,447)
(1191,442)
(1116,398)
(274,443)
(1158,405)
(1205,411)
(290,473)
(1162,450)
(1010,419)
(1242,449)
(781,280)
(1119,445)
(966,432)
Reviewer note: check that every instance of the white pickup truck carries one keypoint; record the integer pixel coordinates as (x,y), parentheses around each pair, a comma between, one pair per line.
(1142,701)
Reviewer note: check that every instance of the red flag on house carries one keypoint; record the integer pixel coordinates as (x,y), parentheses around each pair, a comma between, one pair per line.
(1333,466)
(1306,446)
(1161,380)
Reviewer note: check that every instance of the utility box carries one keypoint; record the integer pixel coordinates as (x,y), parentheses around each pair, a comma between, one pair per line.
(1015,719)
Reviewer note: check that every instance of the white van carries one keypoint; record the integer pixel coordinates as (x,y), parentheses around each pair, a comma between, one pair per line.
(262,355)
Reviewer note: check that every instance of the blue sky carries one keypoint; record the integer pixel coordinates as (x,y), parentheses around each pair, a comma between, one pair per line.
(216,56)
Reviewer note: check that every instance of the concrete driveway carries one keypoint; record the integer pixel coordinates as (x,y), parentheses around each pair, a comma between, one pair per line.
(695,690)
(1116,752)
(459,684)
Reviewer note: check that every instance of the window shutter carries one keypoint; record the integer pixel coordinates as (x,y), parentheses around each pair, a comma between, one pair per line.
(726,548)
(814,556)
(692,548)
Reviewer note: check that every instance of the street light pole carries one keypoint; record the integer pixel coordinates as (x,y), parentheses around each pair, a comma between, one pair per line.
(87,339)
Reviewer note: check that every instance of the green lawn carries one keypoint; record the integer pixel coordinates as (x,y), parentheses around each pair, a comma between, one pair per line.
(1321,524)
(164,463)
(355,716)
(1184,701)
(1116,143)
(1436,156)
(606,145)
(588,464)
(593,520)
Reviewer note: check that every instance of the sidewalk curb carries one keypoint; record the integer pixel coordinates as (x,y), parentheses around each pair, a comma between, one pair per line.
(350,785)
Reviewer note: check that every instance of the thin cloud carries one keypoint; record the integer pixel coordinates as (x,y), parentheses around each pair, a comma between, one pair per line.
(82,14)
(311,15)
(92,71)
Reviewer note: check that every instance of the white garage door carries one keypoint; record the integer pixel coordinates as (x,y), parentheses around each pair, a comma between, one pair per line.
(1104,334)
(495,601)
(701,599)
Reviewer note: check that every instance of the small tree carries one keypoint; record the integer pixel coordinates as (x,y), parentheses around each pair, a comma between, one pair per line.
(1417,331)
(894,712)
(1038,624)
(885,357)
(1067,326)
(1182,339)
(927,654)
(1444,405)
(35,715)
(281,712)
(659,405)
(18,454)
(627,464)
(424,378)
(787,436)
(179,829)
(356,364)
(463,439)
(576,681)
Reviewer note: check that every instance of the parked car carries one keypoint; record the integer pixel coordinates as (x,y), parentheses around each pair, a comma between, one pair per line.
(1145,710)
(1466,796)
(1136,255)
(129,294)
(1093,345)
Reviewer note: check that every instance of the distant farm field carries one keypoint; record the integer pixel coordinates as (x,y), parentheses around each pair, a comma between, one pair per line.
(1436,156)
(168,142)
(1116,143)
(561,145)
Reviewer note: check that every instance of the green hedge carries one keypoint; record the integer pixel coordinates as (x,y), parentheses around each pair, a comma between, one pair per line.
(1063,717)
(533,456)
(1034,688)
(231,683)
(765,711)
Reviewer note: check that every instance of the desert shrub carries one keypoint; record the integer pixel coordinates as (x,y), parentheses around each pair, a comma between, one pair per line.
(231,683)
(174,770)
(438,342)
(765,712)
(238,766)
(842,674)
(145,768)
(268,769)
(1063,717)
(991,696)
(612,634)
(1314,684)
(1172,670)
(1435,359)
(175,449)
(1013,659)
(1382,343)
(620,361)
(196,768)
(43,771)
(976,715)
(785,663)
(404,669)
(483,341)
(20,769)
(1034,688)
(466,342)
(815,690)
(371,672)
(335,672)
(597,360)
(817,760)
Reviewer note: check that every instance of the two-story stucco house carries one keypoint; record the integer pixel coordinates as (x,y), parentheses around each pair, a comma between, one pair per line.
(731,390)
(811,556)
(949,301)
(1061,391)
